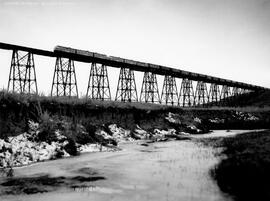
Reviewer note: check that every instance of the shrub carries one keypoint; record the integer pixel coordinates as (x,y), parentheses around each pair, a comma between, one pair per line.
(88,136)
(59,153)
(47,129)
(71,147)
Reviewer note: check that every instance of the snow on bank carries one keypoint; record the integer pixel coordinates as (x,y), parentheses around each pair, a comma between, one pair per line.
(27,148)
(20,150)
(190,125)
(23,149)
(242,116)
(141,134)
(163,133)
(114,134)
(120,134)
(245,116)
(217,121)
(173,118)
(93,148)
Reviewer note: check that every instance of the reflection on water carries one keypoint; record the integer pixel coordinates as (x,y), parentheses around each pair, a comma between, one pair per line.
(179,170)
(227,133)
(96,189)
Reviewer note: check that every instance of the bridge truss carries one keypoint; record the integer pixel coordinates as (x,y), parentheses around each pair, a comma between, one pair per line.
(209,90)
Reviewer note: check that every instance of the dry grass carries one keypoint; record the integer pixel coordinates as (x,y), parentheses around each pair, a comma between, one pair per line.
(116,104)
(245,172)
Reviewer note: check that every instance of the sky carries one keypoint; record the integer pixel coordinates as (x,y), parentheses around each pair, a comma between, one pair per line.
(224,38)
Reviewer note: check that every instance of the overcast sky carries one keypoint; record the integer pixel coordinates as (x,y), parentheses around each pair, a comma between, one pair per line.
(224,38)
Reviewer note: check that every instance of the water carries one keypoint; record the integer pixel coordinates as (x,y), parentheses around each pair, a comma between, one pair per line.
(175,170)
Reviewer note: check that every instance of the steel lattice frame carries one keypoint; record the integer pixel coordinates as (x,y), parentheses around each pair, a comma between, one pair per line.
(236,91)
(241,91)
(169,94)
(225,96)
(98,84)
(64,78)
(201,94)
(186,95)
(214,94)
(22,75)
(149,91)
(126,88)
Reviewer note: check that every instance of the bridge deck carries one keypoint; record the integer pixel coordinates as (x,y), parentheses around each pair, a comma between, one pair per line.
(86,56)
(7,46)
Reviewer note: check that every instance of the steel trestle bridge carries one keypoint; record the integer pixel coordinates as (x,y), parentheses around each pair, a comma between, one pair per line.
(208,91)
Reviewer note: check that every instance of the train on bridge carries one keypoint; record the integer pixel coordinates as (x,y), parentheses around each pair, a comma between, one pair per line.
(209,90)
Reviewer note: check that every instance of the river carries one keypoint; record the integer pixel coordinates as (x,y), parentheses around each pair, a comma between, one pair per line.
(165,171)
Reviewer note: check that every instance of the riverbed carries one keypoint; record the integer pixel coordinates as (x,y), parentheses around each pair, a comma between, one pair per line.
(173,170)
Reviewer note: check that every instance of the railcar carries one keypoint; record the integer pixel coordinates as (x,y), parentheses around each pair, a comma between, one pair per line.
(117,59)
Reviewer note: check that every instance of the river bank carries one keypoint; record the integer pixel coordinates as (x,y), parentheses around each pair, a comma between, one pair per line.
(16,110)
(54,142)
(244,170)
(37,128)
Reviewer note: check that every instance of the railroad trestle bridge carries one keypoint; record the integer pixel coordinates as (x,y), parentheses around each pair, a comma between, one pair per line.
(22,79)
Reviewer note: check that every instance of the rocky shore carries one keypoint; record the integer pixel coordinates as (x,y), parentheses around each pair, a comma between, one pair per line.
(33,146)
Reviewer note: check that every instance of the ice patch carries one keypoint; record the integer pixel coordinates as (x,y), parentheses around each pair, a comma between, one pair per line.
(120,134)
(93,148)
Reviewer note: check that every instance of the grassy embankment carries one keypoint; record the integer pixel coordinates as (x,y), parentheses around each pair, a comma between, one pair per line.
(16,110)
(245,171)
